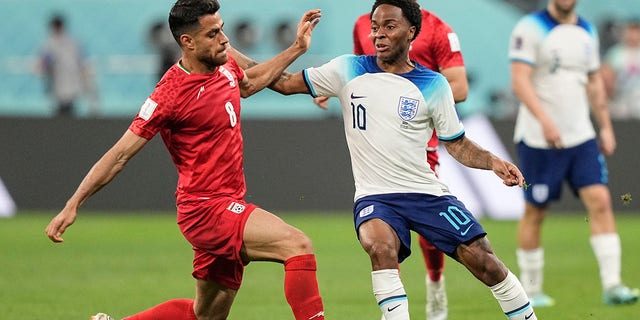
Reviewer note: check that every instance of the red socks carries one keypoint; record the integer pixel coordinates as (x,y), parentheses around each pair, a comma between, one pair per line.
(178,309)
(301,287)
(433,259)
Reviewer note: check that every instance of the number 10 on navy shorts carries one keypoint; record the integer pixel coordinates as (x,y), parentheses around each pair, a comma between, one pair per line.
(443,220)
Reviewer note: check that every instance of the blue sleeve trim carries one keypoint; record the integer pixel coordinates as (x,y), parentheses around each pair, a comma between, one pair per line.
(308,83)
(452,138)
(523,61)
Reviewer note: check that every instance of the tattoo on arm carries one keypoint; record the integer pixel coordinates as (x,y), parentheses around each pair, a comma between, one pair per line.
(469,153)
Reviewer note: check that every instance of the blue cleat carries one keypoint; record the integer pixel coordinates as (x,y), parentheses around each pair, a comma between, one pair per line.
(541,300)
(620,294)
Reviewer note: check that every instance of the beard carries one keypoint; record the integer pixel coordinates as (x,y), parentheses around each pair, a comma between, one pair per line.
(211,61)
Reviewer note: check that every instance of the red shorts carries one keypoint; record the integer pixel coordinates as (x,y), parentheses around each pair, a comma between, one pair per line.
(215,227)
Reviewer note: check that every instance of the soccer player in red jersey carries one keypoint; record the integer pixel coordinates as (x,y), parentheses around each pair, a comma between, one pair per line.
(438,49)
(196,109)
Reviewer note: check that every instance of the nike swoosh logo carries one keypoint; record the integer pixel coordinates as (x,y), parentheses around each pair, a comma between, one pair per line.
(529,316)
(356,97)
(464,233)
(391,309)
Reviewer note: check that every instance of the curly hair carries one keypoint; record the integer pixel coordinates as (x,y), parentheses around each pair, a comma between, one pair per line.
(410,10)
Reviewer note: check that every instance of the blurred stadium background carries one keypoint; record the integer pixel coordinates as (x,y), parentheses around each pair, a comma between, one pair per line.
(296,158)
(114,34)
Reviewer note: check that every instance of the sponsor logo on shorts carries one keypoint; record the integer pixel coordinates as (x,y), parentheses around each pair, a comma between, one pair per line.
(464,233)
(236,207)
(366,211)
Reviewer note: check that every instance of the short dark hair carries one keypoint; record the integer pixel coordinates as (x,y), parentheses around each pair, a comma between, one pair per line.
(410,10)
(184,15)
(57,21)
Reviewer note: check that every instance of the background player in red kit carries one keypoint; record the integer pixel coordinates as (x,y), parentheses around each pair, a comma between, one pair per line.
(437,48)
(196,109)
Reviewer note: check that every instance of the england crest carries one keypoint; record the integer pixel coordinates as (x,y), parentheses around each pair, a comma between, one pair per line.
(408,108)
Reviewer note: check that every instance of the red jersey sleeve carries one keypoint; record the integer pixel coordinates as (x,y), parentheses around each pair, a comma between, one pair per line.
(157,110)
(446,46)
(437,46)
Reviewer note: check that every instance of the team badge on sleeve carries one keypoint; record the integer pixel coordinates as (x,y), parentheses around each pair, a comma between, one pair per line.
(147,109)
(454,42)
(408,108)
(517,43)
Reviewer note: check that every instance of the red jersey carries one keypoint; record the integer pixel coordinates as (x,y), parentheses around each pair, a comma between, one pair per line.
(437,47)
(198,117)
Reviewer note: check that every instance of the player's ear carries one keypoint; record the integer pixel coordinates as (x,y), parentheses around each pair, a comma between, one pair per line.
(412,32)
(187,41)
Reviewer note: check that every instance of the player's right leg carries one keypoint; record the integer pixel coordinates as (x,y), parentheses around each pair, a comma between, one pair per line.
(530,255)
(381,243)
(269,238)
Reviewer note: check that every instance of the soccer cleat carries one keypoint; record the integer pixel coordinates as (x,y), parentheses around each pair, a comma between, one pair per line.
(436,300)
(101,316)
(620,294)
(541,300)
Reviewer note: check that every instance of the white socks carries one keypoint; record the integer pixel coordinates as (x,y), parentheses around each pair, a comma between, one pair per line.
(606,248)
(531,263)
(390,294)
(512,299)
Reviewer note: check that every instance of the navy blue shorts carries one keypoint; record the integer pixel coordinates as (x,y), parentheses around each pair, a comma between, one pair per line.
(545,170)
(443,220)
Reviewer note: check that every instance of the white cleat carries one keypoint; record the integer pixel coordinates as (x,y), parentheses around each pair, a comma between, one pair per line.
(436,300)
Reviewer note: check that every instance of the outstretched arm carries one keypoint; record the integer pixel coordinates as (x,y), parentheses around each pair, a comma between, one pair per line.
(261,75)
(278,85)
(472,155)
(102,172)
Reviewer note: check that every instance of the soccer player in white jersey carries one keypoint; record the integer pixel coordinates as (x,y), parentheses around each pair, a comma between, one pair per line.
(555,74)
(391,105)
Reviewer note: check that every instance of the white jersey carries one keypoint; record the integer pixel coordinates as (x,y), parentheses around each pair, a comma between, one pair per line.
(388,119)
(563,55)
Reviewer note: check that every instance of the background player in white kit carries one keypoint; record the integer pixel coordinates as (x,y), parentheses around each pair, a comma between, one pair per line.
(555,74)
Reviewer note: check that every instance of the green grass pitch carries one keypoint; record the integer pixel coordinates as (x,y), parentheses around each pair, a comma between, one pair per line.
(122,263)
